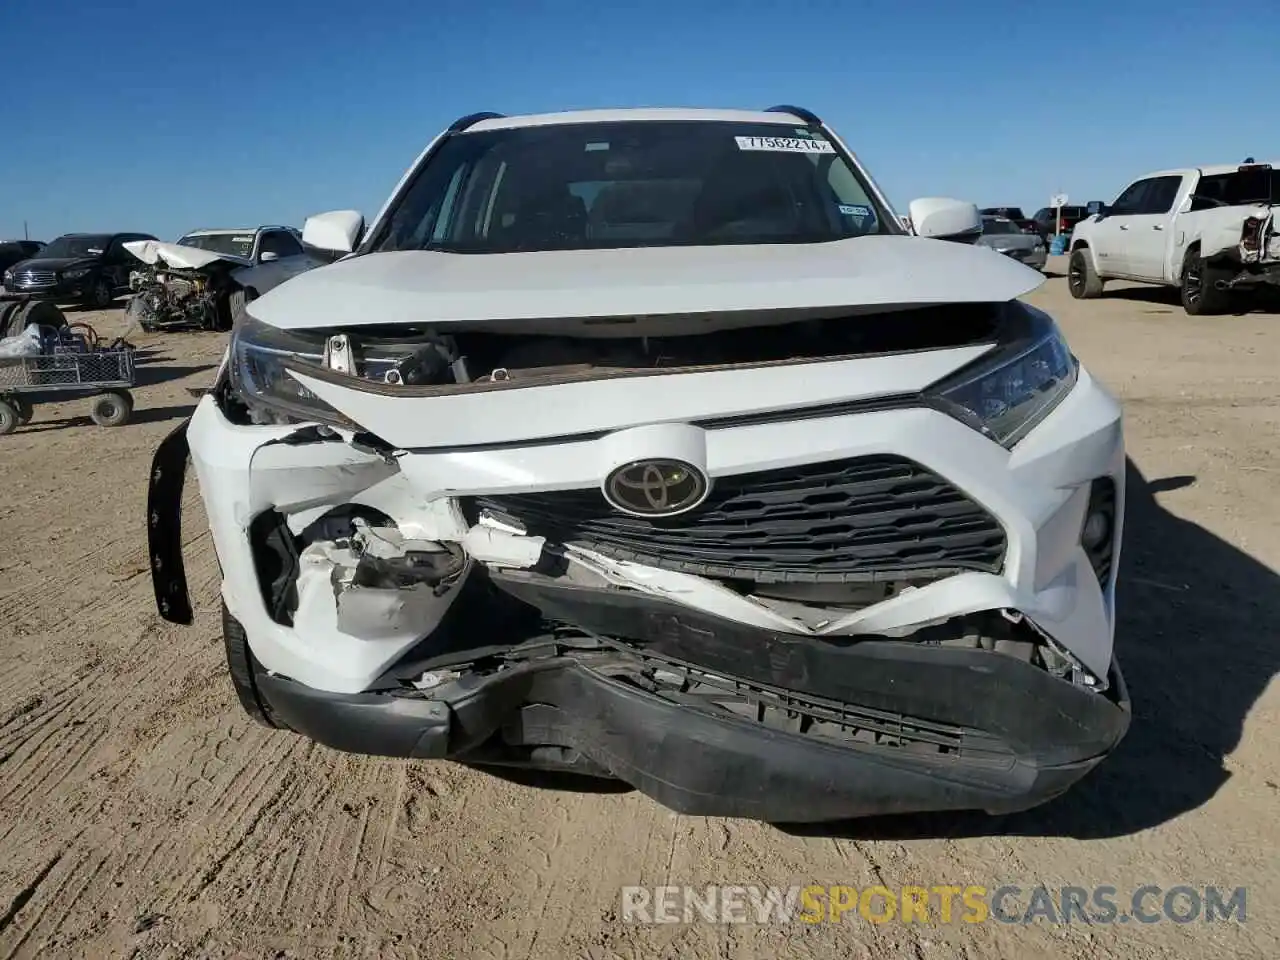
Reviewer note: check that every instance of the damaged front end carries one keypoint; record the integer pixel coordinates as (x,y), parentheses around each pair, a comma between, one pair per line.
(181,288)
(790,567)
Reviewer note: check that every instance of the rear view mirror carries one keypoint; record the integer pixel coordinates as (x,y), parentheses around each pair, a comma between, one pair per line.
(267,256)
(337,231)
(945,219)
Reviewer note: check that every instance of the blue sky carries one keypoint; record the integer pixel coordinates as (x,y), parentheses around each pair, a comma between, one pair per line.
(181,114)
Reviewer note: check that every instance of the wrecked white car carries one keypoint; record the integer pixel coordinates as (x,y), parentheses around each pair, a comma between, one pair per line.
(647,445)
(1210,231)
(205,279)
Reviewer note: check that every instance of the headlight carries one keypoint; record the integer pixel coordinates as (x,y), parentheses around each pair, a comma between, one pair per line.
(77,274)
(1006,394)
(8,278)
(257,367)
(259,353)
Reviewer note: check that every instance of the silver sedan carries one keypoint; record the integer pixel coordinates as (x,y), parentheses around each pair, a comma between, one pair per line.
(1005,236)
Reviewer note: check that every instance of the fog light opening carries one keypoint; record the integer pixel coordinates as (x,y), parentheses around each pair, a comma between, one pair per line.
(1097,532)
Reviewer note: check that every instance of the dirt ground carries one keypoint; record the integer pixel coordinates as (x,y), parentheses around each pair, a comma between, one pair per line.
(143,815)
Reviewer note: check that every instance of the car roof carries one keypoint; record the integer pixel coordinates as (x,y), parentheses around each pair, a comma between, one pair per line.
(1206,170)
(636,113)
(212,231)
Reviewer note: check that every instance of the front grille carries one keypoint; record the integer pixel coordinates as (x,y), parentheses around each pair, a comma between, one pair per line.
(36,278)
(843,521)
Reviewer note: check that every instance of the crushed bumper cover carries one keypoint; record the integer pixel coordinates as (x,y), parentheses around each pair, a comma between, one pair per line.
(700,760)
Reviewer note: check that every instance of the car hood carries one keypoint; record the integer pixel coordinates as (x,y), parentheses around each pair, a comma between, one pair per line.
(418,287)
(54,263)
(176,255)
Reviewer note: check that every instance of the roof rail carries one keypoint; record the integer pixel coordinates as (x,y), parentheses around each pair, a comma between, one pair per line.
(808,116)
(471,119)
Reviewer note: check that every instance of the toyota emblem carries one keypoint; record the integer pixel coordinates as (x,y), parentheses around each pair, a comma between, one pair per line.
(656,488)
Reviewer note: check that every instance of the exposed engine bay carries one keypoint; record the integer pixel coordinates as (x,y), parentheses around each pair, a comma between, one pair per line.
(420,361)
(191,299)
(181,287)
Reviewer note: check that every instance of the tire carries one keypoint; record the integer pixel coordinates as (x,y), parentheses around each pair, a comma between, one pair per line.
(24,408)
(8,319)
(242,666)
(9,418)
(1200,296)
(112,409)
(101,295)
(1082,280)
(43,313)
(236,301)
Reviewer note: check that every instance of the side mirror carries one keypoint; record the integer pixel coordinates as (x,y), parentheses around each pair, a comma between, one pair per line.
(1097,208)
(267,256)
(338,230)
(945,219)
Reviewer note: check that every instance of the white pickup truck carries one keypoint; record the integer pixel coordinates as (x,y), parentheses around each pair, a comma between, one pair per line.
(1206,230)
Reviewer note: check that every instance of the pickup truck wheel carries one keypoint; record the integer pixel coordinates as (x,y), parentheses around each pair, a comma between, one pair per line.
(1083,282)
(242,667)
(1200,294)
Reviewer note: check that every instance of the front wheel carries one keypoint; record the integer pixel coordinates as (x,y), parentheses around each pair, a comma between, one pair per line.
(1082,280)
(101,294)
(1199,288)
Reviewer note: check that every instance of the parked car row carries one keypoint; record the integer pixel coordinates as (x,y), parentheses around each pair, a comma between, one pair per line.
(198,282)
(87,268)
(1047,220)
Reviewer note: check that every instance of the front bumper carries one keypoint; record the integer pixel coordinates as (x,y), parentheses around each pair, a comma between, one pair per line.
(52,291)
(1024,734)
(1256,275)
(576,712)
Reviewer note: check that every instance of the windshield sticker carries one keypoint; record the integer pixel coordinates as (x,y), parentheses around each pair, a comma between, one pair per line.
(785,144)
(242,239)
(94,251)
(600,145)
(863,215)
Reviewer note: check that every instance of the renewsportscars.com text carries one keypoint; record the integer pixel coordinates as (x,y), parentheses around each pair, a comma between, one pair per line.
(938,904)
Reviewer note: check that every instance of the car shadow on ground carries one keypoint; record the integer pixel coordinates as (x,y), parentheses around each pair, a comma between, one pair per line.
(151,374)
(139,415)
(1241,304)
(1198,638)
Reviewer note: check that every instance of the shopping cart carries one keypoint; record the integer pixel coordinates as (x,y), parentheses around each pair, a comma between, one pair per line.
(71,361)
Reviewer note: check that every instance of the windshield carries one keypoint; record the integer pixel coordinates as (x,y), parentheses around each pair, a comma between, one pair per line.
(81,246)
(232,244)
(990,225)
(631,184)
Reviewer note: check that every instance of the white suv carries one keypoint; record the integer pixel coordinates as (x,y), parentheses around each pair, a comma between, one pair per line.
(647,444)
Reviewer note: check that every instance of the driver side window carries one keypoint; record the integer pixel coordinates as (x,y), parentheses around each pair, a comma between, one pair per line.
(1131,199)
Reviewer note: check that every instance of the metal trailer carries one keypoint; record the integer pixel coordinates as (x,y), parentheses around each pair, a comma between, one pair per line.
(73,363)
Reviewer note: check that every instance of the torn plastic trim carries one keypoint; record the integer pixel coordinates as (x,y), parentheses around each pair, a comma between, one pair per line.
(1052,609)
